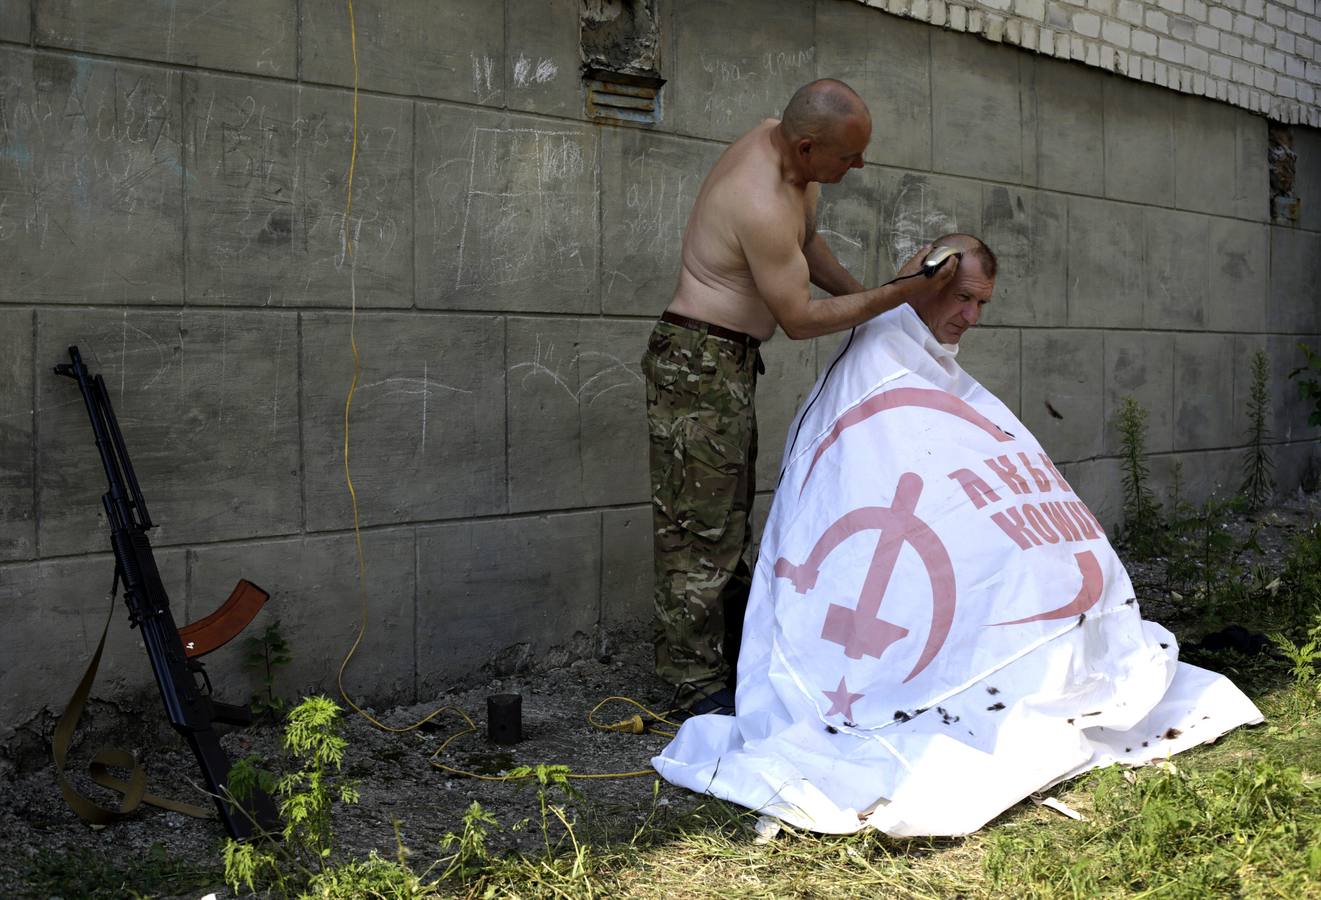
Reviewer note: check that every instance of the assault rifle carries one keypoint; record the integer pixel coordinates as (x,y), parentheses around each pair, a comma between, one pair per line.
(173,651)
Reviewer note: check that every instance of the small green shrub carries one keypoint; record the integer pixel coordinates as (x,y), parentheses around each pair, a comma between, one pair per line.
(1143,528)
(307,797)
(1300,591)
(264,654)
(1258,477)
(1202,561)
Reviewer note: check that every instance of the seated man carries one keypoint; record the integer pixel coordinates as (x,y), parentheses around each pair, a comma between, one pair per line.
(938,625)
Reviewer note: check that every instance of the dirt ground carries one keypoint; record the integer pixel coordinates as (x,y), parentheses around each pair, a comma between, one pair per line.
(397,781)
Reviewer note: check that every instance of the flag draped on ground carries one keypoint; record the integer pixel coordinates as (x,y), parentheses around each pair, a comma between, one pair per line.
(938,625)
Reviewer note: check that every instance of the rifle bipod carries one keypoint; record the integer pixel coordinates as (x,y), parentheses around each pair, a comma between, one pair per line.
(173,651)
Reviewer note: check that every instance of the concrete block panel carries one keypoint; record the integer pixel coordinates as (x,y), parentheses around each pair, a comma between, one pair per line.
(1205,150)
(888,62)
(1290,409)
(413,47)
(1236,275)
(1297,465)
(977,125)
(994,357)
(723,87)
(1204,368)
(917,209)
(1099,484)
(577,427)
(316,597)
(1107,275)
(790,374)
(54,614)
(1140,364)
(1139,144)
(512,588)
(208,404)
(1176,267)
(648,185)
(506,212)
(1307,175)
(1063,384)
(427,423)
(18,514)
(1070,141)
(543,58)
(1200,476)
(1027,230)
(257,36)
(626,568)
(15,22)
(90,181)
(1294,302)
(848,216)
(267,196)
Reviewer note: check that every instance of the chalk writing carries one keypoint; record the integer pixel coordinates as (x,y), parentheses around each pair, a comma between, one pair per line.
(917,217)
(522,207)
(525,73)
(613,374)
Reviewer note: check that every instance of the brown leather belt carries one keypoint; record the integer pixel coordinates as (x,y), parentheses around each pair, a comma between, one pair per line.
(728,334)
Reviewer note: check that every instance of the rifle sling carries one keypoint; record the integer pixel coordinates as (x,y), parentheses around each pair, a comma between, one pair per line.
(135,789)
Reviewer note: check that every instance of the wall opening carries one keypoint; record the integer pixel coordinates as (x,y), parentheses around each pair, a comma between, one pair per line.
(620,45)
(1286,206)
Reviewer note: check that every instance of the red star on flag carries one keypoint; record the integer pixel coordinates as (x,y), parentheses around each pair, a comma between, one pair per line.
(841,701)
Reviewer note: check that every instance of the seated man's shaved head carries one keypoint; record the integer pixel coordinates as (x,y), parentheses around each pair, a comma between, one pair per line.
(970,246)
(958,306)
(818,108)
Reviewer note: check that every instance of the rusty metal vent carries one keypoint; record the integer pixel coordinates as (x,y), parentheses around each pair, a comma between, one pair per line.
(623,97)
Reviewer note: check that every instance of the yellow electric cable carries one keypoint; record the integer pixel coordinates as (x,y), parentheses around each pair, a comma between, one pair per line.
(348,405)
(357,521)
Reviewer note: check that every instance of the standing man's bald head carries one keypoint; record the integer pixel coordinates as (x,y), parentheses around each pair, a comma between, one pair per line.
(824,131)
(821,106)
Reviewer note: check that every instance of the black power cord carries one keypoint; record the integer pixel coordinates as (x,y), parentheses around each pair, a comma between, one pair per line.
(926,271)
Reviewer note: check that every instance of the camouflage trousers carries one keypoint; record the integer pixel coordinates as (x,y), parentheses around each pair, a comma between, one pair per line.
(703,432)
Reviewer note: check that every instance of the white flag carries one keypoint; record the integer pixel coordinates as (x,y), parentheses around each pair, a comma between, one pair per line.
(938,624)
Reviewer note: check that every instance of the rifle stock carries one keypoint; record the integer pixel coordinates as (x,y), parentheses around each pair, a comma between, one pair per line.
(191,710)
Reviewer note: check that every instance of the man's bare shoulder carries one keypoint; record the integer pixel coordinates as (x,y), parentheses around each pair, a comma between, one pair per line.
(748,186)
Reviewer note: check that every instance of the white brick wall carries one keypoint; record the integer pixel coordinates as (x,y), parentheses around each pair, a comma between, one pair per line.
(1263,55)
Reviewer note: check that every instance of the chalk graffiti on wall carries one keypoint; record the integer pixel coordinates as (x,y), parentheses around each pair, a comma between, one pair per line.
(521,206)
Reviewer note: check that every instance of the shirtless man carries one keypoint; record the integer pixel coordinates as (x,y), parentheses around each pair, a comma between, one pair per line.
(749,253)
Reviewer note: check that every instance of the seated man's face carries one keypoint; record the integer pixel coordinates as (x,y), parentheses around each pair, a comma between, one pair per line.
(959,307)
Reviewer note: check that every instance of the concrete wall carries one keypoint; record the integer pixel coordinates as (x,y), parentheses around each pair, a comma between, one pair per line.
(172,187)
(1262,55)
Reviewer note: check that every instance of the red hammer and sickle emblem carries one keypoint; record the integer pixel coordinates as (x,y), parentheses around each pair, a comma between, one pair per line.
(860,630)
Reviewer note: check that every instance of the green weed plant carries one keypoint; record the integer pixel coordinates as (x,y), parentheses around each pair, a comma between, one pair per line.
(1143,525)
(294,862)
(265,654)
(1258,466)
